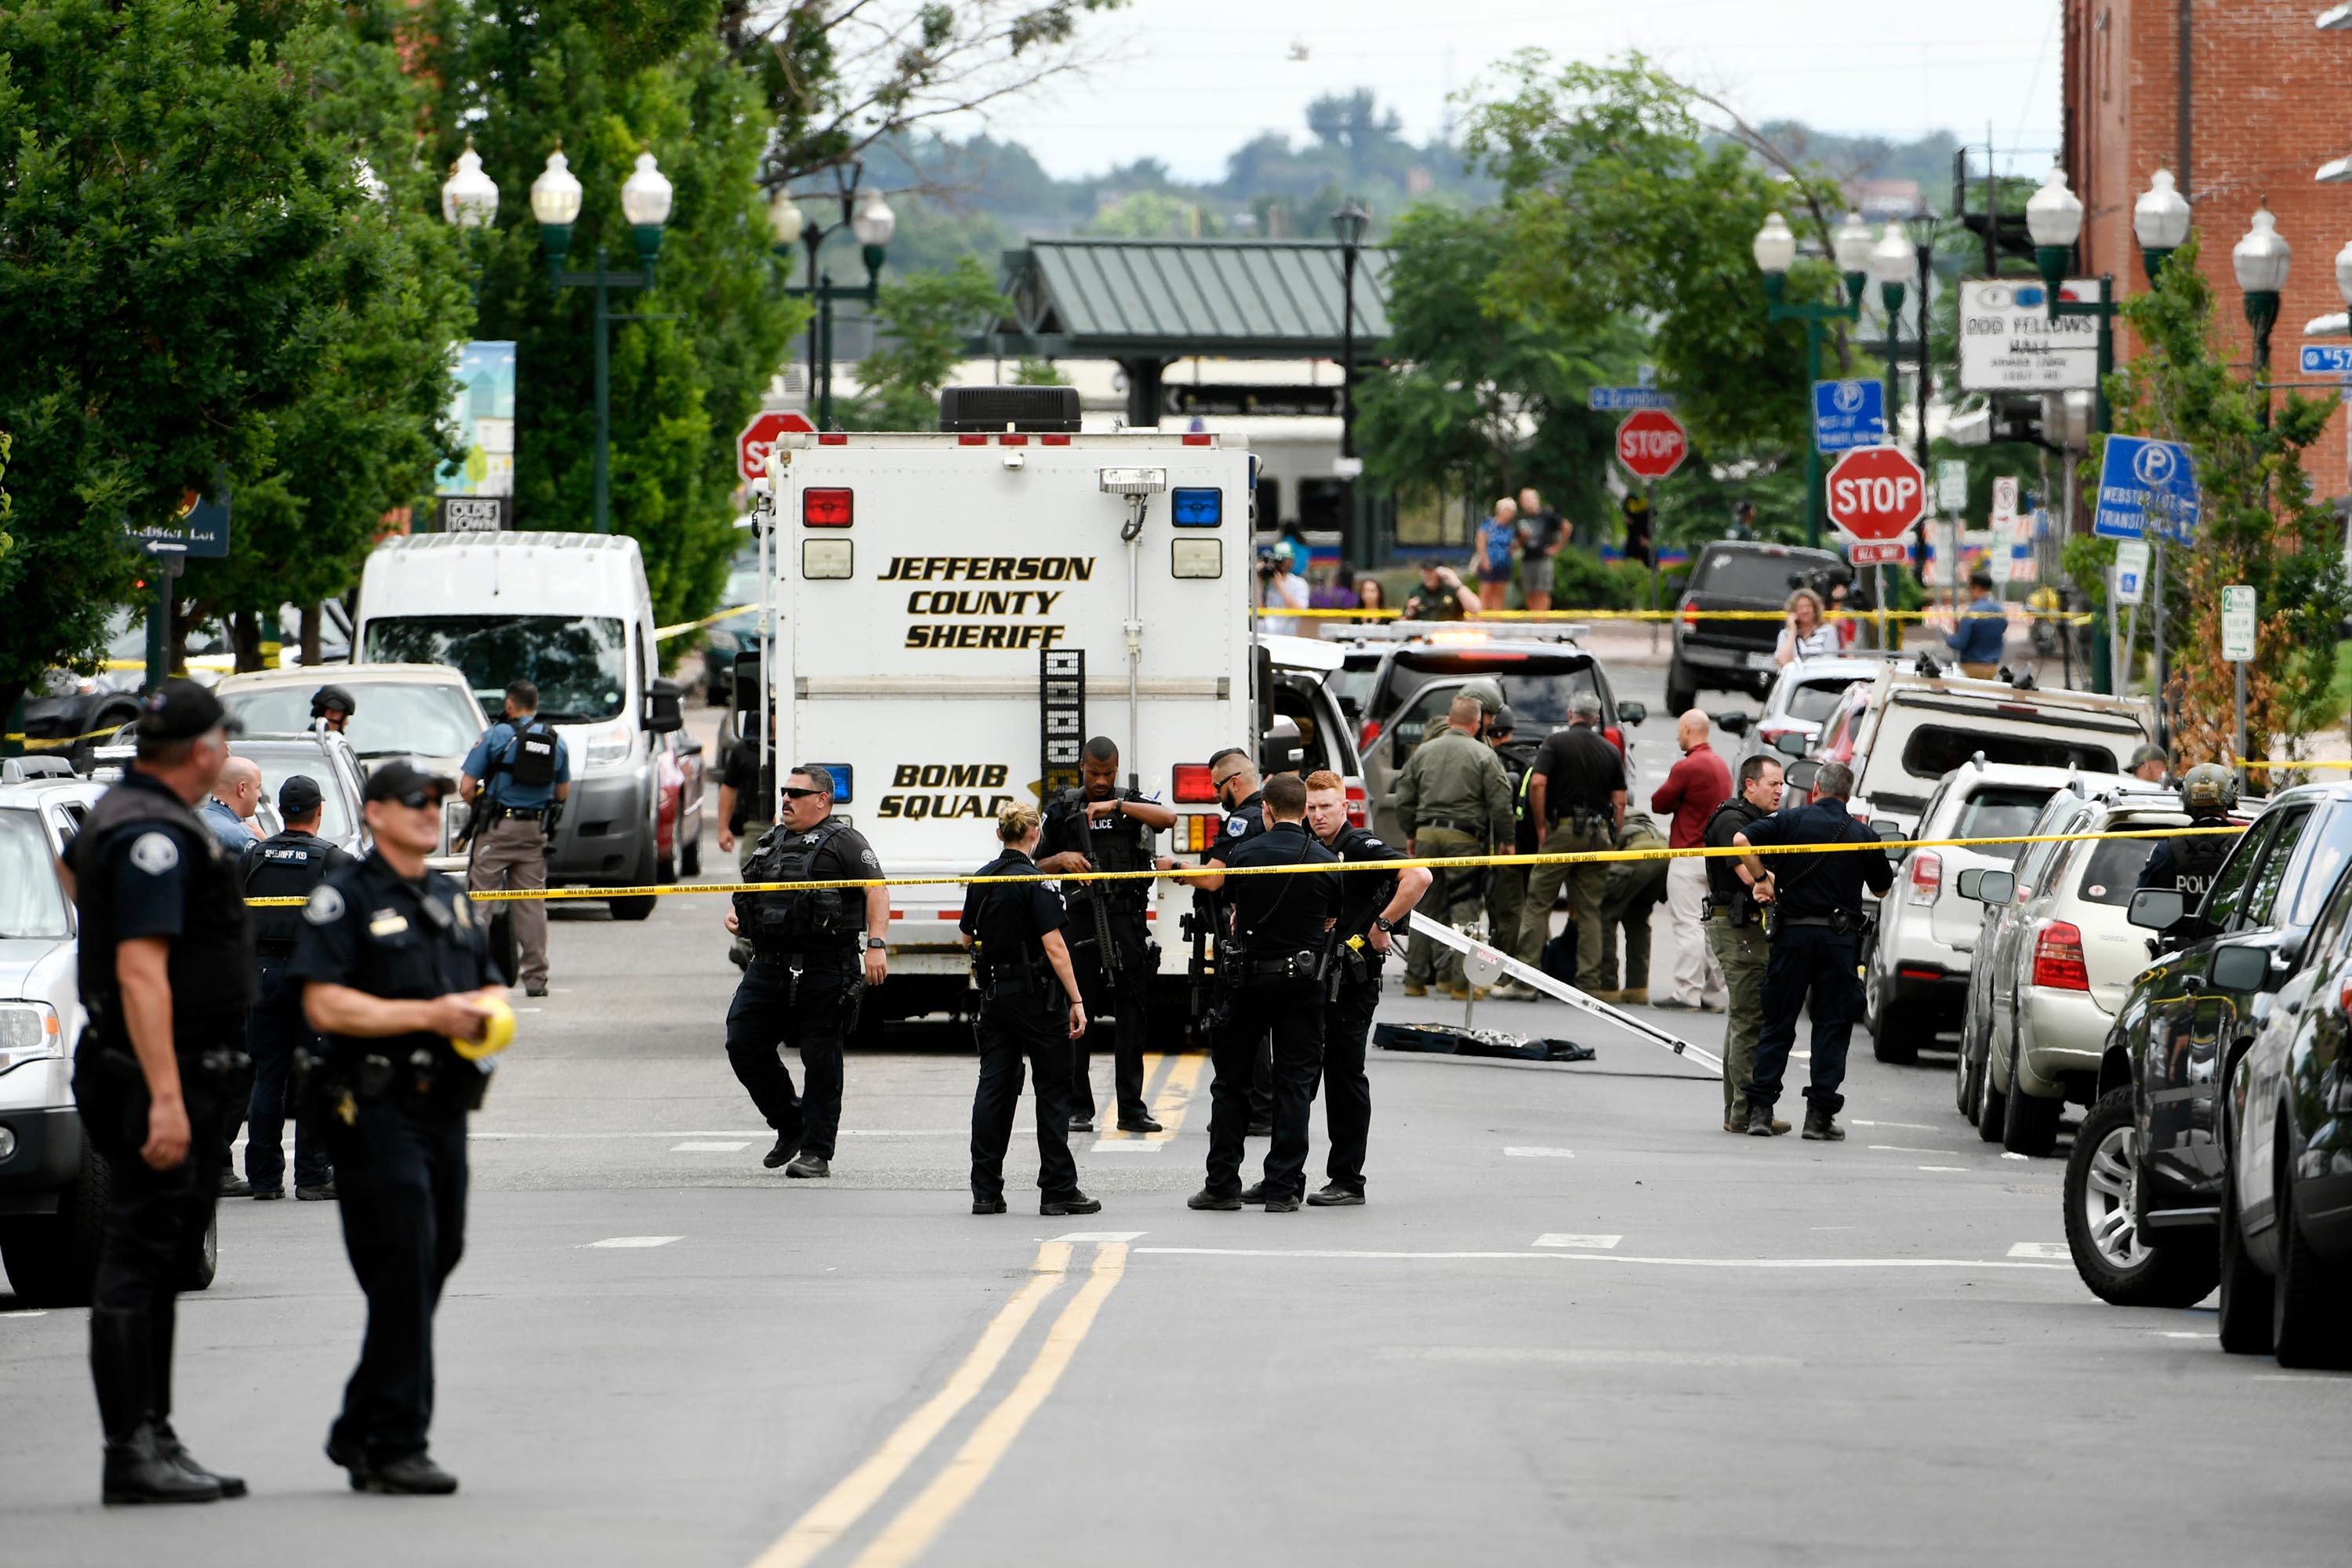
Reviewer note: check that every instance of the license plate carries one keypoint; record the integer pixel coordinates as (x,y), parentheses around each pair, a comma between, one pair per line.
(1762,661)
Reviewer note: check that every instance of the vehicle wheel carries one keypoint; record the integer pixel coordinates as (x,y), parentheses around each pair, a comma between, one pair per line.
(1681,695)
(638,907)
(2307,1297)
(205,1265)
(1897,1039)
(2029,1123)
(2112,1254)
(1992,1105)
(53,1260)
(665,870)
(1967,1077)
(690,858)
(2246,1290)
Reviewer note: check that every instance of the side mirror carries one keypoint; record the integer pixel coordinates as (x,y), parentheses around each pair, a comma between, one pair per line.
(1800,776)
(1997,887)
(691,748)
(1971,883)
(1734,723)
(1633,713)
(2156,908)
(1791,744)
(2240,969)
(664,706)
(1409,733)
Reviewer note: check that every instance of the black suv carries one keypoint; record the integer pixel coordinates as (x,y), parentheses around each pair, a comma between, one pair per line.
(2144,1182)
(1736,655)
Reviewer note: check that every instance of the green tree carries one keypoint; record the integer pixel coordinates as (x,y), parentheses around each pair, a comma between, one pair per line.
(923,322)
(166,196)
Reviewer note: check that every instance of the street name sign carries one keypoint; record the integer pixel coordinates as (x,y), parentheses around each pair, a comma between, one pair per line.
(1651,443)
(2010,342)
(1848,414)
(1621,399)
(2140,479)
(1878,552)
(198,532)
(1876,493)
(2327,359)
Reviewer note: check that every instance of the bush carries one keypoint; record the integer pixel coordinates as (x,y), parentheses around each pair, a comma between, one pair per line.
(1582,581)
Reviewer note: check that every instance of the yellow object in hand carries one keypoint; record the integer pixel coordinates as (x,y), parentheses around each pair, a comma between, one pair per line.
(498,1034)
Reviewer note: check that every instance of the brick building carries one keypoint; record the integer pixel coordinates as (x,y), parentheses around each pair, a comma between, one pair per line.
(2260,107)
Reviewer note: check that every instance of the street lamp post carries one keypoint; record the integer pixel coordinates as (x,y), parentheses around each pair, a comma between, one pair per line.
(1775,249)
(873,223)
(1347,226)
(2261,261)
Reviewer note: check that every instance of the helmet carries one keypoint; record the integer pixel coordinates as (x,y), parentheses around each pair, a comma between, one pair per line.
(1488,692)
(328,697)
(1502,721)
(2209,789)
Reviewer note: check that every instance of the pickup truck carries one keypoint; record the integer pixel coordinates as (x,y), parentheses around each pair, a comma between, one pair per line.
(1712,655)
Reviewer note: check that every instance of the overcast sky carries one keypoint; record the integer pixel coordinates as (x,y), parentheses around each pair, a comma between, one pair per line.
(1193,79)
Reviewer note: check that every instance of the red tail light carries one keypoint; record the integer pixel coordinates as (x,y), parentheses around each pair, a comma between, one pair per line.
(2058,958)
(832,438)
(969,440)
(1926,877)
(1359,805)
(1053,441)
(1192,786)
(1196,441)
(1616,737)
(1371,732)
(1012,440)
(1690,614)
(827,508)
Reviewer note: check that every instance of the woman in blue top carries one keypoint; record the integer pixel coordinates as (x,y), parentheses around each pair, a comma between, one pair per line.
(1499,539)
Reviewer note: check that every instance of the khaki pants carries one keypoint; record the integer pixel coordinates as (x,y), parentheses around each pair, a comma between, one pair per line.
(1698,977)
(1587,884)
(510,855)
(1744,954)
(1982,672)
(1455,897)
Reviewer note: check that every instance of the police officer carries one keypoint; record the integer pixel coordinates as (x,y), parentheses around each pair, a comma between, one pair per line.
(1030,1005)
(1507,886)
(289,864)
(1270,979)
(1102,827)
(517,776)
(1234,778)
(1734,931)
(1452,800)
(332,708)
(1632,888)
(395,971)
(165,969)
(1575,792)
(806,976)
(1818,918)
(1373,906)
(2208,792)
(747,806)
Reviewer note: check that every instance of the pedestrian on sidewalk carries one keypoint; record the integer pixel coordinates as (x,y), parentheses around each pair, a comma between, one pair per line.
(1498,542)
(1975,639)
(1541,534)
(1696,786)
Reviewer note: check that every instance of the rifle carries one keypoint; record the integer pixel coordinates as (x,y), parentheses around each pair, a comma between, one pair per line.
(1106,949)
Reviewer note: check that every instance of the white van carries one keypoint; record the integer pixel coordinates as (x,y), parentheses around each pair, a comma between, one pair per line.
(570,614)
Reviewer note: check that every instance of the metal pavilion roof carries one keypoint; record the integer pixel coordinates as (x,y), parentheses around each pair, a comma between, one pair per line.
(1114,299)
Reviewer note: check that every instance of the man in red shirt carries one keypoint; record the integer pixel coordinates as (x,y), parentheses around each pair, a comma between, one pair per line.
(1696,786)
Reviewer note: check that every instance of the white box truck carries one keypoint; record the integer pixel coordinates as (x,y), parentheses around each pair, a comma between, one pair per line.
(570,614)
(956,612)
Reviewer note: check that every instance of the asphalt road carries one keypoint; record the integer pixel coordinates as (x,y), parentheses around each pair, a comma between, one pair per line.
(1576,1323)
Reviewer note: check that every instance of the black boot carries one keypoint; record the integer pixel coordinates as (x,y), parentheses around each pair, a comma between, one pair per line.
(1821,1126)
(137,1468)
(1759,1120)
(162,1323)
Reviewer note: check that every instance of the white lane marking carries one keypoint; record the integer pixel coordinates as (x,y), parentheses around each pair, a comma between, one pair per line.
(1499,1355)
(2008,1156)
(1099,1236)
(1565,1238)
(1955,1168)
(634,1241)
(2178,1334)
(1526,1151)
(1128,1145)
(27,1312)
(1906,1149)
(709,1146)
(1601,1258)
(2040,1249)
(1906,1126)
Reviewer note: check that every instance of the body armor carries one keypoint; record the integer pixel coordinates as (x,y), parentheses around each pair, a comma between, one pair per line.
(211,965)
(784,922)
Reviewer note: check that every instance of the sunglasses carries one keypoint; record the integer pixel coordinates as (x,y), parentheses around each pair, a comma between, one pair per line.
(418,799)
(791,794)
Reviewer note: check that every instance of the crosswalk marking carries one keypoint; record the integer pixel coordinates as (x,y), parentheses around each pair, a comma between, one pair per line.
(636,1241)
(1567,1238)
(709,1146)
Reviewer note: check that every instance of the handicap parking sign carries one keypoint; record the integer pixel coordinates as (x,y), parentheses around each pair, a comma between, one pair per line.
(2142,480)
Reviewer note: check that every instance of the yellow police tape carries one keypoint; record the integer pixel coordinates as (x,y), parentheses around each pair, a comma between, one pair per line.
(51,743)
(662,634)
(2074,617)
(1187,873)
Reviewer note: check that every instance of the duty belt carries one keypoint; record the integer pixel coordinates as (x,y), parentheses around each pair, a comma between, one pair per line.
(1842,918)
(531,813)
(1449,825)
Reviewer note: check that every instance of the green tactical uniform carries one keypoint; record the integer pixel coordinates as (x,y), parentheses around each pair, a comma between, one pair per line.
(1734,932)
(1452,799)
(1635,888)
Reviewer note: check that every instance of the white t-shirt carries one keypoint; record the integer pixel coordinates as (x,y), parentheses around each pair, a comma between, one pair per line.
(1819,643)
(1284,591)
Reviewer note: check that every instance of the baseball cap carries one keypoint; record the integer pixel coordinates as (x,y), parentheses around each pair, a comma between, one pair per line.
(298,797)
(398,778)
(180,710)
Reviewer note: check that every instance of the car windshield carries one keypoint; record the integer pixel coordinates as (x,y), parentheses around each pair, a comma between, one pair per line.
(579,663)
(1935,749)
(2000,811)
(1817,700)
(279,764)
(1536,685)
(32,904)
(1748,574)
(742,588)
(2111,871)
(2327,857)
(430,718)
(1543,698)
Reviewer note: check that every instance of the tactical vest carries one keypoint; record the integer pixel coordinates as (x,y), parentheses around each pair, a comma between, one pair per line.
(211,963)
(528,758)
(1002,961)
(1122,844)
(287,866)
(1722,884)
(787,922)
(2196,858)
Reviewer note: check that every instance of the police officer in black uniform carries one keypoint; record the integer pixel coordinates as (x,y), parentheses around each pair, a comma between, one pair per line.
(1030,1005)
(1373,907)
(1102,827)
(289,864)
(394,965)
(2207,794)
(1270,972)
(1235,779)
(1818,918)
(805,979)
(166,975)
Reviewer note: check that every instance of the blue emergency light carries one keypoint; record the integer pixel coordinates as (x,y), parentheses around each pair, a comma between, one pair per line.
(1200,508)
(840,774)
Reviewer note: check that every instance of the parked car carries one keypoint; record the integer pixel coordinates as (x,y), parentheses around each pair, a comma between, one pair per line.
(738,633)
(1916,980)
(1807,693)
(1736,655)
(2153,1129)
(327,758)
(678,755)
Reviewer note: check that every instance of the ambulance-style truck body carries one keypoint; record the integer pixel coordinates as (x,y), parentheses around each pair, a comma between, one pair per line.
(934,595)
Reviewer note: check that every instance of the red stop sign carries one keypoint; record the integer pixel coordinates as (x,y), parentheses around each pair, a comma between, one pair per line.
(1876,492)
(752,445)
(1652,443)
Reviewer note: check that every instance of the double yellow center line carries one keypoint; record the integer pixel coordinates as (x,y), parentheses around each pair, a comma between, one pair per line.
(918,1523)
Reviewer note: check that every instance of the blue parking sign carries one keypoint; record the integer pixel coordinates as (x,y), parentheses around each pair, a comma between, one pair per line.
(1848,414)
(2142,479)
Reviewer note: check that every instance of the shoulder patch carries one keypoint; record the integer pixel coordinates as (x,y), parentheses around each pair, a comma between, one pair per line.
(871,863)
(1372,843)
(325,907)
(1237,826)
(154,853)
